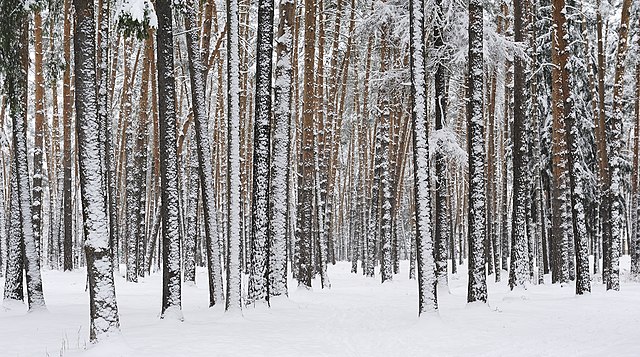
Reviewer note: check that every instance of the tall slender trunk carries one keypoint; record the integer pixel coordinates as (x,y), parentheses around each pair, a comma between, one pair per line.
(102,295)
(39,128)
(234,244)
(427,282)
(442,234)
(67,112)
(259,277)
(518,273)
(477,289)
(205,165)
(616,198)
(171,294)
(306,185)
(279,197)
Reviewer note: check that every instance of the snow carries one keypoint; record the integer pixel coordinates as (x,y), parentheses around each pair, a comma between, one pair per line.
(140,11)
(357,317)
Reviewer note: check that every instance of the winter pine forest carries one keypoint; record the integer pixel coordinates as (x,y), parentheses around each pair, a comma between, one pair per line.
(319,177)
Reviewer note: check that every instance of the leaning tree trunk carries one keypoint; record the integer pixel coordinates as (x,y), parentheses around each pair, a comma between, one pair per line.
(198,93)
(171,294)
(477,289)
(102,293)
(427,282)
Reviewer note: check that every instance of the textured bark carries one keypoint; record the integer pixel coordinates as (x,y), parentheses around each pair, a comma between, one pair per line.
(234,243)
(102,295)
(427,282)
(67,112)
(442,233)
(561,207)
(635,239)
(614,127)
(518,272)
(14,284)
(259,277)
(306,185)
(171,293)
(477,289)
(39,127)
(279,187)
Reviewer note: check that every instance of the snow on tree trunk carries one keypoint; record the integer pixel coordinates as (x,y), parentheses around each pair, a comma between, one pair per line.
(427,283)
(570,80)
(477,289)
(279,198)
(16,68)
(14,284)
(518,272)
(102,296)
(635,239)
(260,234)
(442,234)
(561,207)
(614,127)
(191,232)
(132,197)
(233,160)
(306,176)
(39,128)
(205,165)
(171,279)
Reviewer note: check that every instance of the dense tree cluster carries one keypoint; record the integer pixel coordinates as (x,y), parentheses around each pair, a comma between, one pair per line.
(161,136)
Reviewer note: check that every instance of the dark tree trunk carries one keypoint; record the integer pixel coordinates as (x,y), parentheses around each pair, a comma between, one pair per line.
(477,289)
(259,277)
(171,294)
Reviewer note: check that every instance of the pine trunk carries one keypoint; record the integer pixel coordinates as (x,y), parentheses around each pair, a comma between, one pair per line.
(102,294)
(259,276)
(171,293)
(425,255)
(477,289)
(234,243)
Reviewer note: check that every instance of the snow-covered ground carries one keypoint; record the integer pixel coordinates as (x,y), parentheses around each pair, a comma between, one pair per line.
(358,316)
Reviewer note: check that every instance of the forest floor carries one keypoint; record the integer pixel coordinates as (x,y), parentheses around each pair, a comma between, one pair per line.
(358,316)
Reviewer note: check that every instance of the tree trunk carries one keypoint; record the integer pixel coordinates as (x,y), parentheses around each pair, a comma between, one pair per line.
(306,185)
(518,273)
(234,244)
(67,112)
(477,289)
(442,234)
(425,255)
(205,165)
(102,294)
(171,294)
(616,198)
(279,188)
(259,277)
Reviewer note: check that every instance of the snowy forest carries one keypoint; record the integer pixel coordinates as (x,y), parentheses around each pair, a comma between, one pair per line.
(319,177)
